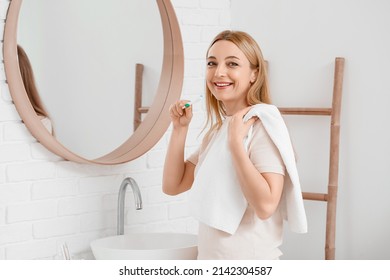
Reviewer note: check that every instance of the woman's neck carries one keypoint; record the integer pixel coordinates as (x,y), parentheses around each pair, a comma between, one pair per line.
(234,107)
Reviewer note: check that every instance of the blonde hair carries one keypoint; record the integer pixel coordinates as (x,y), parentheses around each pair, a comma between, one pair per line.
(259,90)
(29,82)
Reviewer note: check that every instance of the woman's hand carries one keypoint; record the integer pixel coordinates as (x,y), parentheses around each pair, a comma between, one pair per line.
(180,117)
(238,130)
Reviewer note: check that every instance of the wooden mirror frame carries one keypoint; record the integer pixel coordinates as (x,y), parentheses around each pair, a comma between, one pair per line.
(152,127)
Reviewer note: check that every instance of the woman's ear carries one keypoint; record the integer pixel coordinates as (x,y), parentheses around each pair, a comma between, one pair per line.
(254,75)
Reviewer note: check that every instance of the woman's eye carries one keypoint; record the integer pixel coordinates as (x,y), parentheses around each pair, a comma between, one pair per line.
(211,63)
(232,64)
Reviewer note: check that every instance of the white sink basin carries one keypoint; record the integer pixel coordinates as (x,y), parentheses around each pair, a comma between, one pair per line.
(146,246)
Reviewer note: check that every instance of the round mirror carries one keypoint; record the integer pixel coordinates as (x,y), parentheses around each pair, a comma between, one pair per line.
(84,62)
(84,66)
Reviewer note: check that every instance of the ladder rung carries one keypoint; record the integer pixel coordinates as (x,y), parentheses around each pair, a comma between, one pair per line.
(306,111)
(315,196)
(143,110)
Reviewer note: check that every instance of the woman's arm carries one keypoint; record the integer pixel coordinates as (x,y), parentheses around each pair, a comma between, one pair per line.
(178,175)
(262,190)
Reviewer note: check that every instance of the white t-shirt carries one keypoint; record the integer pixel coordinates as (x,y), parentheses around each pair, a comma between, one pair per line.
(254,238)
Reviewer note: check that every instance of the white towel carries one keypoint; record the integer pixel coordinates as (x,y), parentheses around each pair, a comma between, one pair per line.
(216,198)
(291,202)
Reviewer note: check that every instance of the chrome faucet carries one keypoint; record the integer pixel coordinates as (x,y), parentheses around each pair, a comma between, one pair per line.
(121,201)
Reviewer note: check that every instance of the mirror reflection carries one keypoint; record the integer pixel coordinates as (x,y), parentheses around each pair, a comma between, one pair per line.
(83,55)
(28,78)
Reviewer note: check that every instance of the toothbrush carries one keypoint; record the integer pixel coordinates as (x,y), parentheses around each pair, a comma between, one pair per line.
(188,104)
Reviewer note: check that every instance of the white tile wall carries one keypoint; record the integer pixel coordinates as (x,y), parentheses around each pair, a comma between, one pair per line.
(46,201)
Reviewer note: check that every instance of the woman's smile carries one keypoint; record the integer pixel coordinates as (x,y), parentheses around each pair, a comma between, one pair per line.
(222,85)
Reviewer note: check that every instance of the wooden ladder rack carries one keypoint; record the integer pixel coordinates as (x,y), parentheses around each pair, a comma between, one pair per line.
(331,196)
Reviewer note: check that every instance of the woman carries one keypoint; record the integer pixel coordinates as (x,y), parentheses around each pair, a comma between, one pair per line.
(237,175)
(31,89)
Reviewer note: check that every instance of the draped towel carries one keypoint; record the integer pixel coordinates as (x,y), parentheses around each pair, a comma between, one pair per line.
(216,198)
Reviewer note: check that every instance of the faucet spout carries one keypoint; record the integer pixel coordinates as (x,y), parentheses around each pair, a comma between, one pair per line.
(121,201)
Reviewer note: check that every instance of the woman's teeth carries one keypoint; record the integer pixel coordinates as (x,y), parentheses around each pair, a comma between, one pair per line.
(222,84)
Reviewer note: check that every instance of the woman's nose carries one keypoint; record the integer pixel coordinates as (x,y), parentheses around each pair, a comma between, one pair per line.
(220,71)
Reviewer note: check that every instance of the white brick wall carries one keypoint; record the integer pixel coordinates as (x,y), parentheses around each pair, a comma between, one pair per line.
(15,192)
(14,152)
(54,188)
(2,217)
(46,201)
(2,174)
(31,211)
(36,249)
(3,9)
(97,221)
(15,233)
(30,170)
(56,227)
(5,94)
(16,131)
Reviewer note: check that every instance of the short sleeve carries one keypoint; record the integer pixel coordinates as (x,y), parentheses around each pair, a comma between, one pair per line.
(263,153)
(193,158)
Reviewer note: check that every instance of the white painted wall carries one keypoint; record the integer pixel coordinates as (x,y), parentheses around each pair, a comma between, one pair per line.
(300,39)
